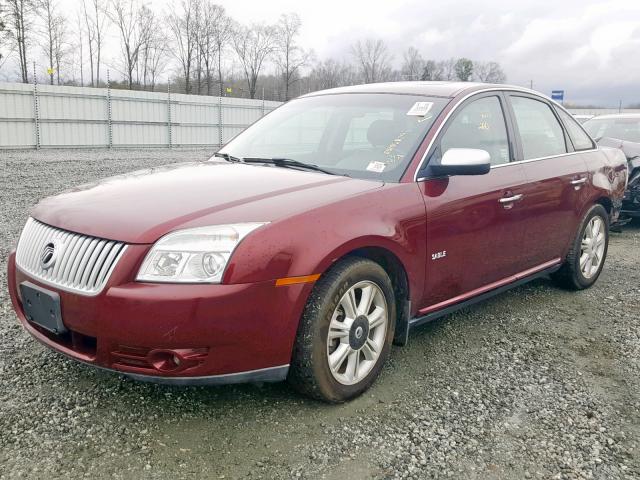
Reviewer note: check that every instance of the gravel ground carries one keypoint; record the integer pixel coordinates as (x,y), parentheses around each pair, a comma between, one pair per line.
(536,383)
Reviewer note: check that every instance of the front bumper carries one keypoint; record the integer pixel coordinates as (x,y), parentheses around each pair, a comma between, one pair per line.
(216,333)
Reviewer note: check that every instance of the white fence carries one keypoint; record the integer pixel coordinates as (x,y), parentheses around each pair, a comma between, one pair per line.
(46,116)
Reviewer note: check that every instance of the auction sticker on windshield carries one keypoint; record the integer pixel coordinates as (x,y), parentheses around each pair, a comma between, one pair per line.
(420,109)
(377,167)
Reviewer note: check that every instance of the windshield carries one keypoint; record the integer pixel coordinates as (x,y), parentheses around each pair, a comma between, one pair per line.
(360,135)
(627,129)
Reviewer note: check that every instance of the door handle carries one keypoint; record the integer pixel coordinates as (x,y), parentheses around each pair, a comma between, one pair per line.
(514,198)
(578,182)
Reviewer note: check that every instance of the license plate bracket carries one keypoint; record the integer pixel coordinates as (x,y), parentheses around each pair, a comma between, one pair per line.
(42,307)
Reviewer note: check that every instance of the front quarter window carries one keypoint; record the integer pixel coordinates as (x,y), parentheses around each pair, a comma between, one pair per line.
(479,125)
(369,136)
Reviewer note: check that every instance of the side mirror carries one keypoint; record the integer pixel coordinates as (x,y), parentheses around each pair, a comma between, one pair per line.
(463,161)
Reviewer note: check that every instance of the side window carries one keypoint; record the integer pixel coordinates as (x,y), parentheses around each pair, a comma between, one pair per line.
(579,138)
(540,133)
(479,125)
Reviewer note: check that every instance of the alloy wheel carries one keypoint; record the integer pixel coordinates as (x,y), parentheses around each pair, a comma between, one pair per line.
(592,247)
(357,332)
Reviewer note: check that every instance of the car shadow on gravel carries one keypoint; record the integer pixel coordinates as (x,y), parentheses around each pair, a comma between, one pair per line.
(218,396)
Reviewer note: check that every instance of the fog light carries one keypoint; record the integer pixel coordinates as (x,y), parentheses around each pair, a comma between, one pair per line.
(174,360)
(165,361)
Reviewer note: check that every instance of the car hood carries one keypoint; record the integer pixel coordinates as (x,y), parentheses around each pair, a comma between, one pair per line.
(141,206)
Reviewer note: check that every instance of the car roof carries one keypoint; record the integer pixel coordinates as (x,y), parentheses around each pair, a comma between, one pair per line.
(617,115)
(432,89)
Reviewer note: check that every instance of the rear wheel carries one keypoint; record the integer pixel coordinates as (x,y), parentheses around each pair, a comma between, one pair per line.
(585,260)
(345,332)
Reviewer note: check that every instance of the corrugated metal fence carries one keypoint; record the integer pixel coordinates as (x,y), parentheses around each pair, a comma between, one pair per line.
(45,116)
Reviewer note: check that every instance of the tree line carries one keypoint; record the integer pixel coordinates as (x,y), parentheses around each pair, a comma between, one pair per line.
(199,49)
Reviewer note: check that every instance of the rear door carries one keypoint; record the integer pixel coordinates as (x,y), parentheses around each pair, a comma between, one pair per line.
(475,224)
(556,179)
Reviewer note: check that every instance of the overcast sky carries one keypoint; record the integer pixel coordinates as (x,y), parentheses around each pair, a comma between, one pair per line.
(589,48)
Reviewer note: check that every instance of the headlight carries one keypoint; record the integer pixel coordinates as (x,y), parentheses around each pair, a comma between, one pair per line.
(196,255)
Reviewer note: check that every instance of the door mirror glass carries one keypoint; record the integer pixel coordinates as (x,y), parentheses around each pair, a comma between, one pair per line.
(463,161)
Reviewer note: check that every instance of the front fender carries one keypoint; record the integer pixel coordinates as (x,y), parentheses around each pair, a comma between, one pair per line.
(392,217)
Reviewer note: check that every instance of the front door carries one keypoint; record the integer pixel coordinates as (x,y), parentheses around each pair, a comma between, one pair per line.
(475,224)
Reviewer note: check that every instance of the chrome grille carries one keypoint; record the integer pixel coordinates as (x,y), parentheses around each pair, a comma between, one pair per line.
(70,261)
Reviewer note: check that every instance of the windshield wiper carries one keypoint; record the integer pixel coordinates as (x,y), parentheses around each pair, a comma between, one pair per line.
(288,162)
(228,158)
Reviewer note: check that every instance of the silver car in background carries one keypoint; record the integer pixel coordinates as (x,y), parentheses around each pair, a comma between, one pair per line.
(622,131)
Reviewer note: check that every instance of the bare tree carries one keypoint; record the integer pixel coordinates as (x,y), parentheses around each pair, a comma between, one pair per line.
(448,68)
(2,30)
(54,34)
(223,30)
(133,24)
(413,64)
(60,45)
(332,74)
(489,72)
(90,36)
(373,59)
(95,16)
(212,18)
(18,14)
(198,31)
(80,45)
(290,56)
(99,12)
(182,24)
(253,45)
(153,53)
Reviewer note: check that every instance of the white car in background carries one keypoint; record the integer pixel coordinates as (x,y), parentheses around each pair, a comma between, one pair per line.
(582,118)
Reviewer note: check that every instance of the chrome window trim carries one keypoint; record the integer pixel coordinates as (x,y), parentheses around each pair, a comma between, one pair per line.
(537,159)
(478,92)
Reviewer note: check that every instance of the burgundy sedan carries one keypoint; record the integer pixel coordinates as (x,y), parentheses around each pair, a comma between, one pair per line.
(319,236)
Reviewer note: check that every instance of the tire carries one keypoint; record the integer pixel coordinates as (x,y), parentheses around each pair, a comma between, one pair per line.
(571,275)
(330,300)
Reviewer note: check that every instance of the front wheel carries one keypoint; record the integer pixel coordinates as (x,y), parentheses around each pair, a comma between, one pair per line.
(345,332)
(585,260)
